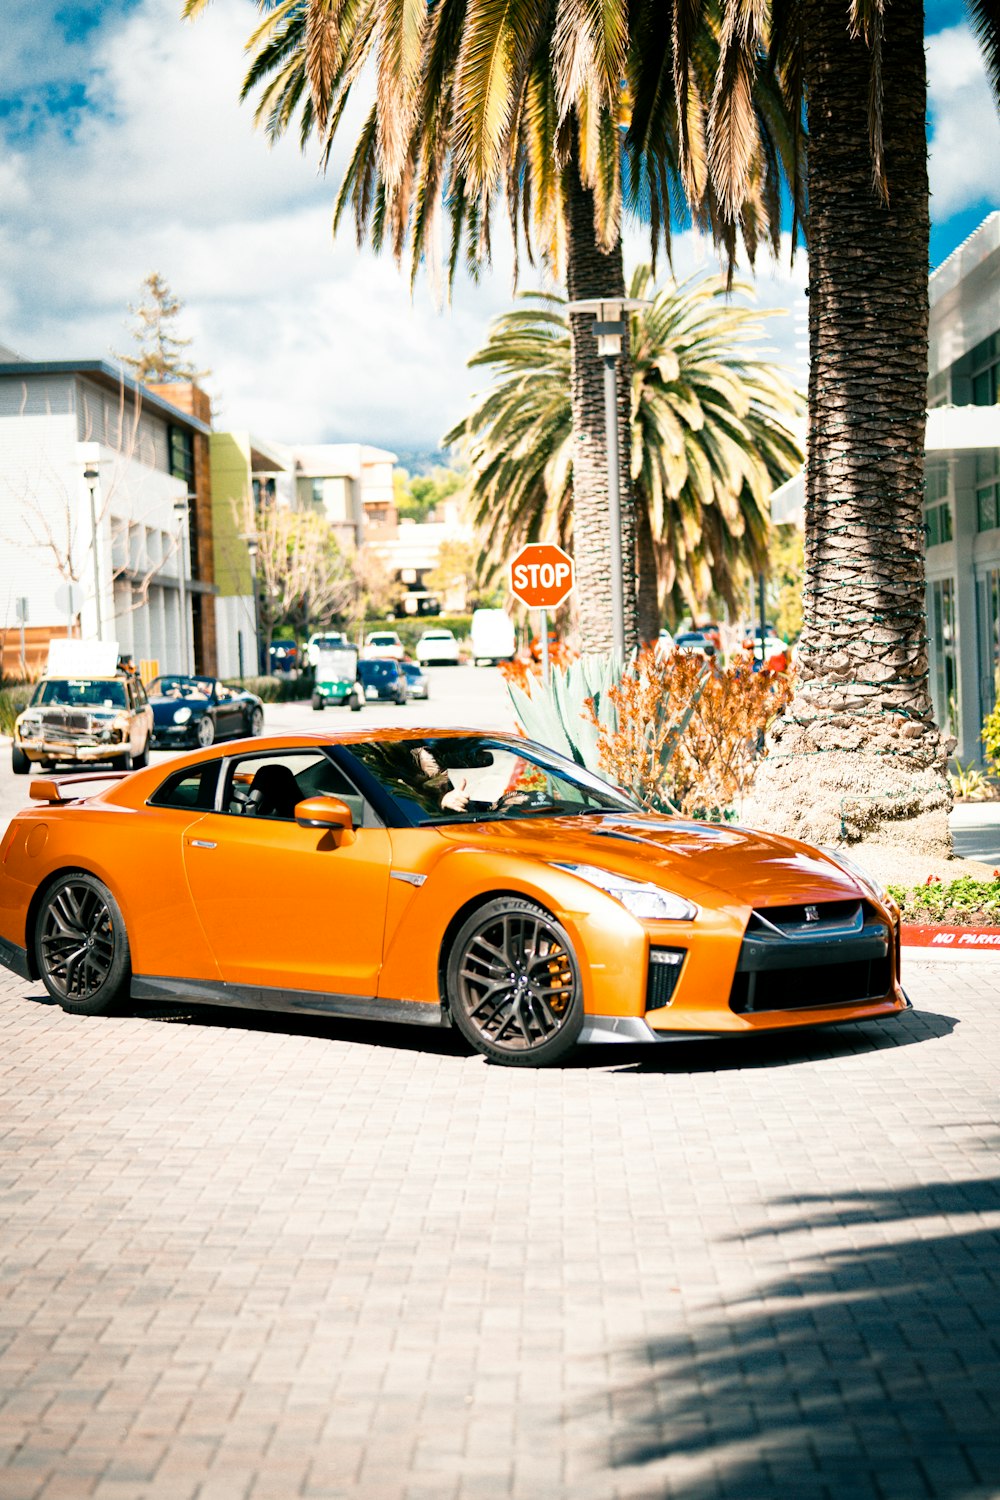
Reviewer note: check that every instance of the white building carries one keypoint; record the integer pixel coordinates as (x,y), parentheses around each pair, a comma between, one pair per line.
(93,511)
(349,483)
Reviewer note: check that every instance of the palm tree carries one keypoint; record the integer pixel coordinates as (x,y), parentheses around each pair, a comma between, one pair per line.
(709,437)
(558,111)
(858,747)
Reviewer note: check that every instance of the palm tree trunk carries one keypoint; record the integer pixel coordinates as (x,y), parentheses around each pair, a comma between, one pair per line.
(858,750)
(593,272)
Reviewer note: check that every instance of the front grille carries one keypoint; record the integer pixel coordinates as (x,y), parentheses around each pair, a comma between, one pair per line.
(798,957)
(664,973)
(68,722)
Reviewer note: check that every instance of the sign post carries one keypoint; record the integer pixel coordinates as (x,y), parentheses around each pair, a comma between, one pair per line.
(541,577)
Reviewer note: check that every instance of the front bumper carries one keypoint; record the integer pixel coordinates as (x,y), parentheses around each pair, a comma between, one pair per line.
(171,735)
(82,750)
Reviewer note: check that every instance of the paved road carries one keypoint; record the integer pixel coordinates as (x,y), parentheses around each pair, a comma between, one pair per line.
(250,1258)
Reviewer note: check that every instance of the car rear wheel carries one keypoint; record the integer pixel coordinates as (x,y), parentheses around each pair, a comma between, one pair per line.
(142,759)
(205,732)
(513,984)
(81,946)
(19,762)
(257,722)
(355,700)
(318,701)
(125,761)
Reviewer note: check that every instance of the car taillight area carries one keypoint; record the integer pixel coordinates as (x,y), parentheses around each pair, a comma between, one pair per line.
(663,975)
(823,955)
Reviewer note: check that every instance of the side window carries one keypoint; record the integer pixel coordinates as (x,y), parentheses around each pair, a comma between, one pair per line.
(193,788)
(269,786)
(140,694)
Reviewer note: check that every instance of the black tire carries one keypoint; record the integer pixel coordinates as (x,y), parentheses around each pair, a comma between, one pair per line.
(19,762)
(318,702)
(125,761)
(142,759)
(355,700)
(205,733)
(402,696)
(81,946)
(257,723)
(513,984)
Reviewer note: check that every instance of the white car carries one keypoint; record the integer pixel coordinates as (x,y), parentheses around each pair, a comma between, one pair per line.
(383,643)
(437,648)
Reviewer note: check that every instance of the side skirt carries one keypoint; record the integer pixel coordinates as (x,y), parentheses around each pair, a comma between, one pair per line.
(14,958)
(310,1002)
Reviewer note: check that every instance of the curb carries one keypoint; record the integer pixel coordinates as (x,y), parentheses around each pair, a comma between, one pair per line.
(950,940)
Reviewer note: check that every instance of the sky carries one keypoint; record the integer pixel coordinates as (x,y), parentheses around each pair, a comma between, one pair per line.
(125,151)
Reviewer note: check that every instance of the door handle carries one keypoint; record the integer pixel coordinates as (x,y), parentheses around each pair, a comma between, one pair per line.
(201,844)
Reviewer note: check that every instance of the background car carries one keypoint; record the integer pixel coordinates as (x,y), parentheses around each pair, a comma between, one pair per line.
(438,648)
(199,710)
(694,643)
(416,680)
(383,677)
(492,636)
(82,718)
(383,643)
(283,658)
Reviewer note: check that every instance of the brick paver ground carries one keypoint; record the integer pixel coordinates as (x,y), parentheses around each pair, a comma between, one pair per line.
(249,1259)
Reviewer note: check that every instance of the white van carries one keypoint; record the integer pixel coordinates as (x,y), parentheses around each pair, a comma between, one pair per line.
(493,636)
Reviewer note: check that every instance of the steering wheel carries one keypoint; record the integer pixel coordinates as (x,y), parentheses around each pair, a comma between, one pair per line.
(515,799)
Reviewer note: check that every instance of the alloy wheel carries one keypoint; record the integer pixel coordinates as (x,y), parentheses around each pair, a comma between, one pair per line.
(77,941)
(515,987)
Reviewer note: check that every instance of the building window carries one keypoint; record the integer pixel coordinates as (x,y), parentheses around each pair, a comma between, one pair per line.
(944,677)
(265,494)
(988,613)
(182,455)
(984,371)
(937,507)
(987,490)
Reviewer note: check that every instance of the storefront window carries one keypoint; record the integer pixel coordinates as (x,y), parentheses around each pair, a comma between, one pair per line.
(944,675)
(988,611)
(987,490)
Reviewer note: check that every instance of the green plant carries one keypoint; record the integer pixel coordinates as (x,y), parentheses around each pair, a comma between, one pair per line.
(569,714)
(957,903)
(968,784)
(13,700)
(991,740)
(274,689)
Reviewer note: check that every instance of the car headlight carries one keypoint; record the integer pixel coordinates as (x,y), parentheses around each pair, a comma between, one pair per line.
(29,729)
(862,876)
(181,715)
(639,897)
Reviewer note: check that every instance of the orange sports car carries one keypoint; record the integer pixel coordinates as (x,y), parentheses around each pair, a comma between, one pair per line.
(436,877)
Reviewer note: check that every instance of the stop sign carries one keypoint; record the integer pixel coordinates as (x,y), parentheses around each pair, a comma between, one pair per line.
(541,575)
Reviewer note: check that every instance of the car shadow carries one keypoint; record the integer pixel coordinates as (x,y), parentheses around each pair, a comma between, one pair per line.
(780,1049)
(867,1366)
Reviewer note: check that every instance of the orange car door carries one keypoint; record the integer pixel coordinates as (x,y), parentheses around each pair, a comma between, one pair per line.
(288,907)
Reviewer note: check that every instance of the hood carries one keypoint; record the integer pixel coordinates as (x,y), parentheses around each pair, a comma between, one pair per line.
(165,708)
(697,860)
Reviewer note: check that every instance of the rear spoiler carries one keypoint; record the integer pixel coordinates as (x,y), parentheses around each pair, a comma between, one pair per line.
(50,788)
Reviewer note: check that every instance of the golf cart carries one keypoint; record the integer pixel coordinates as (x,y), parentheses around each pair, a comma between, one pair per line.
(337,678)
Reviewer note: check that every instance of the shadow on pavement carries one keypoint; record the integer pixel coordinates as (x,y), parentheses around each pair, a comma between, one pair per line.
(869,1372)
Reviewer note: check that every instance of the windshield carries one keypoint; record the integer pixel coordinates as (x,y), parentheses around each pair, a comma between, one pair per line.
(377,671)
(180,687)
(477,778)
(80,692)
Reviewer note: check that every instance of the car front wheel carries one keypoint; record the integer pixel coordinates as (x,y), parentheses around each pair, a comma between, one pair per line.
(513,984)
(19,762)
(257,723)
(81,946)
(205,732)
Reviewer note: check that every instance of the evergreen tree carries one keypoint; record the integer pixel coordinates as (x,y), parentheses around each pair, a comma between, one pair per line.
(160,356)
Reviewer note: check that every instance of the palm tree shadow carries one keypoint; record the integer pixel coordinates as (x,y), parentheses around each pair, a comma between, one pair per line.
(873,1372)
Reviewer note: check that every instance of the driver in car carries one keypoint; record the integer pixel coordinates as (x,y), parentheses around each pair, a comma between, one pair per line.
(454,797)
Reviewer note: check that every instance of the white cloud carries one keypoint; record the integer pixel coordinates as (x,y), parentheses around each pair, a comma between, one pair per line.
(965,130)
(307,338)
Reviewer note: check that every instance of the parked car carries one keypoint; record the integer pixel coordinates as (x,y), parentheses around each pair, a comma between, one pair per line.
(87,708)
(283,658)
(336,678)
(437,648)
(694,643)
(383,678)
(443,878)
(331,641)
(199,710)
(416,680)
(383,643)
(492,636)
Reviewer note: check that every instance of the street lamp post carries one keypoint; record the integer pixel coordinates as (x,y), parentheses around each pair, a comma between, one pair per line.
(609,329)
(91,475)
(253,547)
(181,511)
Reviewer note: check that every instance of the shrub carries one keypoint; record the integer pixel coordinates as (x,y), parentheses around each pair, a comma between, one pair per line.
(568,714)
(689,732)
(410,628)
(13,700)
(968,784)
(957,903)
(274,689)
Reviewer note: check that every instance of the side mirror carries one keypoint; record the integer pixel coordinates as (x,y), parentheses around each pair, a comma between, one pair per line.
(324,812)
